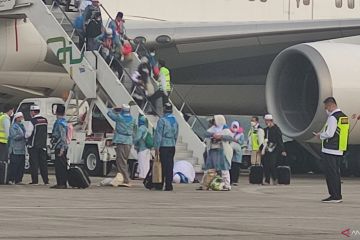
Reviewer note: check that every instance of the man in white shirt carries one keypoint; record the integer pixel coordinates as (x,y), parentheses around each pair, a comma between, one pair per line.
(334,137)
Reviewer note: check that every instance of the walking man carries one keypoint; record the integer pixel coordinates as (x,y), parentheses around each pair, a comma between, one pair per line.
(166,135)
(334,138)
(123,138)
(37,141)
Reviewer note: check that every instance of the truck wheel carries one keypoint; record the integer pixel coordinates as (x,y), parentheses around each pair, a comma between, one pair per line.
(92,161)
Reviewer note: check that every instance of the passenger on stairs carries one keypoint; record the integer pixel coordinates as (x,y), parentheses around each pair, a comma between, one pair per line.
(166,135)
(142,149)
(119,31)
(92,25)
(167,74)
(123,138)
(220,152)
(83,5)
(141,78)
(237,144)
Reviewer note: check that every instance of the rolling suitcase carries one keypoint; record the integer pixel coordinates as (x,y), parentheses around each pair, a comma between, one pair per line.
(284,175)
(4,176)
(78,178)
(256,175)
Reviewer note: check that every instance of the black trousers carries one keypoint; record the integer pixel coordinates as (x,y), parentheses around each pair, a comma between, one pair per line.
(38,160)
(167,163)
(60,168)
(4,152)
(331,167)
(235,172)
(269,163)
(17,165)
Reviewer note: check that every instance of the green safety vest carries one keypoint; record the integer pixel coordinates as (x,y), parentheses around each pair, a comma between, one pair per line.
(166,73)
(3,137)
(254,140)
(342,132)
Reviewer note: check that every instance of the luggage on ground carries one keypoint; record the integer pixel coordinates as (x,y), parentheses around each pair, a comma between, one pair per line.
(157,171)
(284,175)
(4,176)
(148,183)
(78,178)
(217,184)
(208,178)
(256,175)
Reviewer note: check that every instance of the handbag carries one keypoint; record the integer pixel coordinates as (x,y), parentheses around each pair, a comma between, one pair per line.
(157,171)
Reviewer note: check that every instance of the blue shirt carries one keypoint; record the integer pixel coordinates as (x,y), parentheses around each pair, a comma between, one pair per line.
(167,132)
(59,134)
(139,140)
(124,129)
(237,146)
(17,140)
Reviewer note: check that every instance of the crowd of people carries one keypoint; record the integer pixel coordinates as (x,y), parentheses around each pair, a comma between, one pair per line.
(225,145)
(16,138)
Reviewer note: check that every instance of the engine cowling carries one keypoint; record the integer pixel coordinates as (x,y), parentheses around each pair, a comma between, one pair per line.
(302,76)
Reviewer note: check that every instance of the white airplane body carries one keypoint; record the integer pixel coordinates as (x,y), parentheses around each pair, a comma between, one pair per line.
(222,47)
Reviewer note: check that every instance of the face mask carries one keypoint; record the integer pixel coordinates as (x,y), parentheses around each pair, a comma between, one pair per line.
(11,114)
(328,112)
(152,54)
(253,124)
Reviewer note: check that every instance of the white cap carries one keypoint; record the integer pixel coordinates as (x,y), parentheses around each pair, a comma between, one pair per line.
(34,108)
(125,107)
(109,31)
(176,178)
(268,117)
(18,114)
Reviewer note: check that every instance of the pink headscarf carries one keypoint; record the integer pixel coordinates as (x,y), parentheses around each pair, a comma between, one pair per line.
(235,127)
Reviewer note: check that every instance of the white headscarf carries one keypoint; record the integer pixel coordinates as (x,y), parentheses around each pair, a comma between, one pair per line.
(220,122)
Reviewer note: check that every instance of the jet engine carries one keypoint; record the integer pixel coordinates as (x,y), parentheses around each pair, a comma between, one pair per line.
(302,76)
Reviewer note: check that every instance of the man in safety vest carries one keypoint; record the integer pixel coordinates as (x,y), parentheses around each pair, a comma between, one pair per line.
(255,141)
(166,73)
(4,131)
(334,138)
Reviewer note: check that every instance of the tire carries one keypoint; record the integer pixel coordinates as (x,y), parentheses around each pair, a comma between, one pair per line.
(92,162)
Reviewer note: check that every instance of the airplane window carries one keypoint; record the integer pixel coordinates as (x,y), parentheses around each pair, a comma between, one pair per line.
(263,0)
(306,2)
(351,4)
(25,109)
(338,3)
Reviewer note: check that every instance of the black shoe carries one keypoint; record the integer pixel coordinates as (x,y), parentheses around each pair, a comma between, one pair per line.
(54,187)
(61,187)
(331,200)
(32,183)
(168,190)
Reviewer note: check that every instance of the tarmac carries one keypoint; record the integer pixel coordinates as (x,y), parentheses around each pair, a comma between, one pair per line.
(247,212)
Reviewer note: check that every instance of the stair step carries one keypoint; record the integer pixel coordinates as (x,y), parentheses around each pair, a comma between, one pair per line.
(183,155)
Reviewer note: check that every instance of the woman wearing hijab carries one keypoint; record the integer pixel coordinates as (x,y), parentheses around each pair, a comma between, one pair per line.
(220,152)
(238,141)
(140,145)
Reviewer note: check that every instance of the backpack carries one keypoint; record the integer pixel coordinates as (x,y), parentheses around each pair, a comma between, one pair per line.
(217,184)
(149,140)
(69,133)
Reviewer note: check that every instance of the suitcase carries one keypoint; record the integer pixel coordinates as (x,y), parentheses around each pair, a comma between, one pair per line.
(4,176)
(284,175)
(256,175)
(148,183)
(78,178)
(133,166)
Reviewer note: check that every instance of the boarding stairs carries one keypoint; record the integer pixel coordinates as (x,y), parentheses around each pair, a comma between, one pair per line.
(91,74)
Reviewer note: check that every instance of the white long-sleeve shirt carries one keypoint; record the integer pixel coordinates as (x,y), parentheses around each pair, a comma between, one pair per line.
(329,132)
